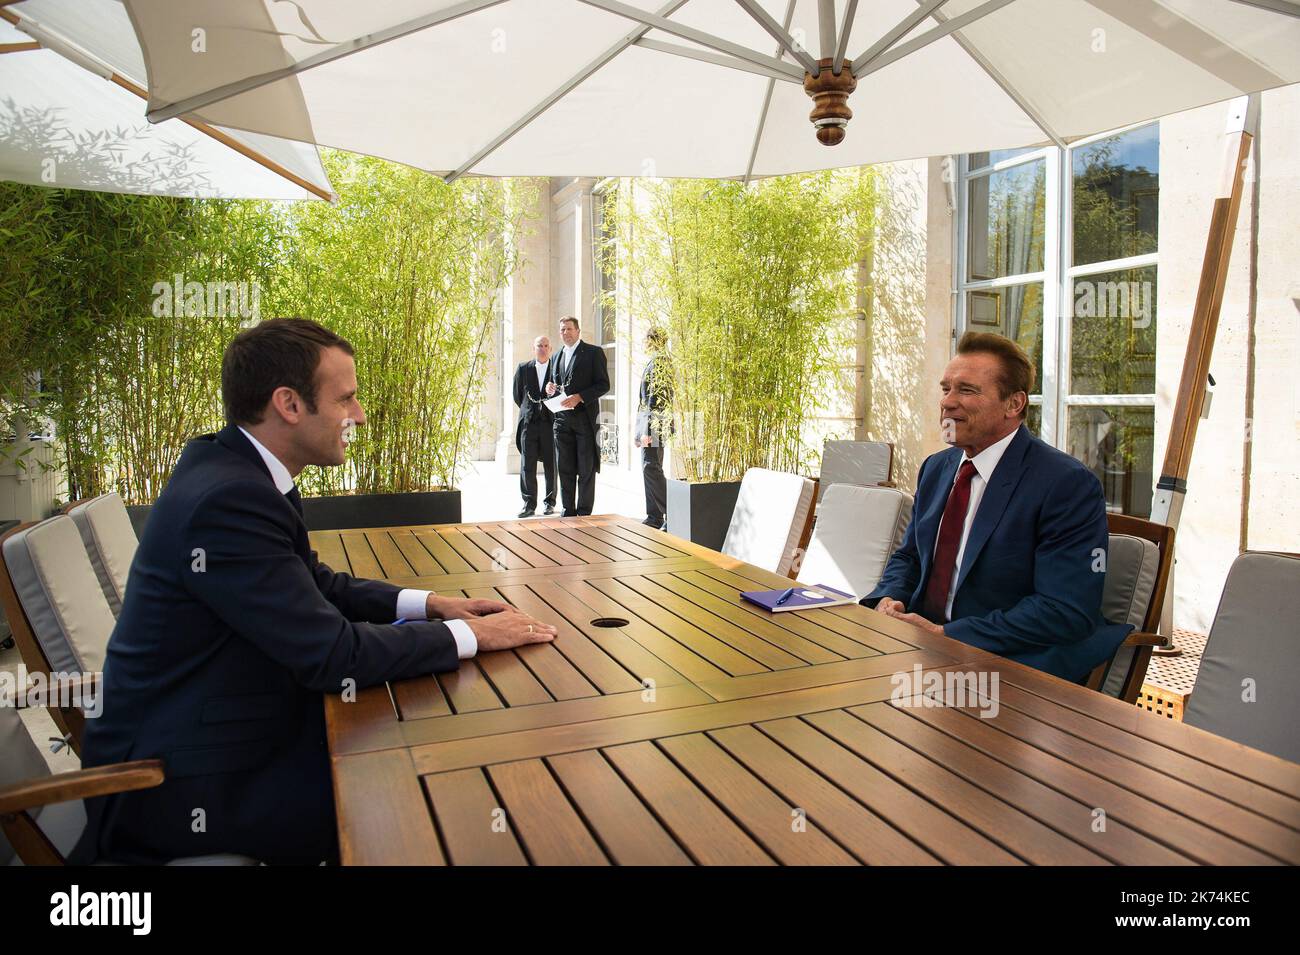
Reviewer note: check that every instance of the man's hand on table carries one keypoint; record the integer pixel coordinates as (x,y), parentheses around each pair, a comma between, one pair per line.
(496,625)
(509,628)
(898,610)
(459,608)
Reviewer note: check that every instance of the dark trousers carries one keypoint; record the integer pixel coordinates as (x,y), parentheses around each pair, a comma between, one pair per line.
(656,485)
(539,445)
(575,459)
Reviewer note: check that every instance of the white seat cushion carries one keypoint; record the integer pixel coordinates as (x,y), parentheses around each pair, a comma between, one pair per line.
(60,594)
(110,542)
(768,521)
(857,529)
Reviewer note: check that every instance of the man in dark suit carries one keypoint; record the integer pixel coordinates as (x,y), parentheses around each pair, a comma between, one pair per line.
(652,408)
(534,435)
(232,631)
(579,372)
(1006,549)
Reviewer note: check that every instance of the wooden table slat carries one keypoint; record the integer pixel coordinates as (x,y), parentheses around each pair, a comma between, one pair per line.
(720,654)
(699,826)
(1139,810)
(1120,843)
(627,830)
(544,820)
(329,550)
(473,824)
(396,828)
(360,557)
(442,552)
(391,559)
(421,561)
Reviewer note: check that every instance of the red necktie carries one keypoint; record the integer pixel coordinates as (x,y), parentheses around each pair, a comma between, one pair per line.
(945,552)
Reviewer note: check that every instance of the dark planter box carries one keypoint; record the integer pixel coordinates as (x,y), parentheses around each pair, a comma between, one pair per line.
(361,510)
(381,510)
(701,512)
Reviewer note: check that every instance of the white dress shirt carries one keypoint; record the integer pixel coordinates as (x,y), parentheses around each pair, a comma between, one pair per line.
(541,374)
(985,462)
(411,604)
(567,353)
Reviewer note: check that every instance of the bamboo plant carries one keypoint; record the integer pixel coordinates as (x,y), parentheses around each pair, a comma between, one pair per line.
(754,285)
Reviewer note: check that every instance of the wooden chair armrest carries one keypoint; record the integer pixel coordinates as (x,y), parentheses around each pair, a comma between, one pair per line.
(81,784)
(1140,638)
(886,484)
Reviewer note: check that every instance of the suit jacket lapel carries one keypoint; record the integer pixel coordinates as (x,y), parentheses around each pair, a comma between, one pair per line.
(994,502)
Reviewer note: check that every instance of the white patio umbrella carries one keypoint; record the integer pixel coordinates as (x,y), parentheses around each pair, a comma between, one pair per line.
(708,88)
(72,103)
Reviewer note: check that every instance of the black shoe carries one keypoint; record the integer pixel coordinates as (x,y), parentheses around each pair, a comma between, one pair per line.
(550,509)
(527,512)
(569,514)
(656,524)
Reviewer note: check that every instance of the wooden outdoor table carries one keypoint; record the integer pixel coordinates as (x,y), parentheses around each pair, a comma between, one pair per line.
(704,730)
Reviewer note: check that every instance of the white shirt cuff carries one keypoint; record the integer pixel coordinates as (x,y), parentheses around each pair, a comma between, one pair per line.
(413,605)
(466,642)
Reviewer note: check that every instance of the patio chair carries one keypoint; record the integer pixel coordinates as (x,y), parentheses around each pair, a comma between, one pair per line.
(109,540)
(857,530)
(770,519)
(57,610)
(42,814)
(1139,555)
(863,463)
(1246,686)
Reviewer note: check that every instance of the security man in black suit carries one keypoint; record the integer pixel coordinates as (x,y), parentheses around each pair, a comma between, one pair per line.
(232,631)
(579,372)
(652,425)
(534,435)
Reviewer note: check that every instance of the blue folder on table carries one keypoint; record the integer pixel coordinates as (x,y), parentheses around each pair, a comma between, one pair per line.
(803,598)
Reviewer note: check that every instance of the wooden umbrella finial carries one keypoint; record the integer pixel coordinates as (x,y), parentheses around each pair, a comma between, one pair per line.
(830,94)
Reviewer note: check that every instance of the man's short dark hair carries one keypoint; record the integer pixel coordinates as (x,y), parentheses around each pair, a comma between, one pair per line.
(570,318)
(276,353)
(1017,370)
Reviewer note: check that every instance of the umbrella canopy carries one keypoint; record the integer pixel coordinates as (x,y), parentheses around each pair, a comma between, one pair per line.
(72,115)
(701,88)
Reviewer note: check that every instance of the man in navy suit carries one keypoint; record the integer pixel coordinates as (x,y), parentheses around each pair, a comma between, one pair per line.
(1006,549)
(232,631)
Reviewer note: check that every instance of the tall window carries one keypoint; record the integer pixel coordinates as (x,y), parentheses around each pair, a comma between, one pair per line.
(1059,252)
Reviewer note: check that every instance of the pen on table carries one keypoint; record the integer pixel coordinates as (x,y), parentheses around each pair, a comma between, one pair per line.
(399,621)
(785,595)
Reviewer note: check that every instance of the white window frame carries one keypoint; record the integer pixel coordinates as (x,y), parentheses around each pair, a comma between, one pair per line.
(1057,276)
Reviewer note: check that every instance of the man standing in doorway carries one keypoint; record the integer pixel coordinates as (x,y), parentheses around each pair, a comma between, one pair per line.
(652,407)
(579,373)
(535,436)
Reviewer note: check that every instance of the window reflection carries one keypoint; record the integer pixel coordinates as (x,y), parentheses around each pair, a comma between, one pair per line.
(1113,333)
(1006,222)
(1116,196)
(1117,444)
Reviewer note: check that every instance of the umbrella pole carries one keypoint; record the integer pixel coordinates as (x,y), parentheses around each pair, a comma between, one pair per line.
(1191,404)
(75,55)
